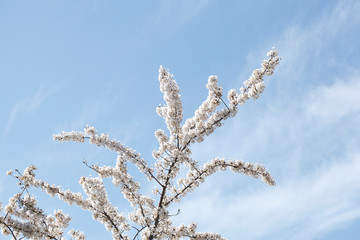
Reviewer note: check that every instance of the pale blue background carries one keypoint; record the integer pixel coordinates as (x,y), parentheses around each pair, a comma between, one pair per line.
(65,64)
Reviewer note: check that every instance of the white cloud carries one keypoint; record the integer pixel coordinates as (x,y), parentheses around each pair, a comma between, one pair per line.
(172,16)
(28,105)
(331,103)
(303,138)
(296,209)
(301,44)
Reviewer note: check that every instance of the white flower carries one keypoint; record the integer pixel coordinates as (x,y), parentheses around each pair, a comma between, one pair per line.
(150,217)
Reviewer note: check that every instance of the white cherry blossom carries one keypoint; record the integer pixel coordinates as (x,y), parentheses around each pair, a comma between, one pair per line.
(150,219)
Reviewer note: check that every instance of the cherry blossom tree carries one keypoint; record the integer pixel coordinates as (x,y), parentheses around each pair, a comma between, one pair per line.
(150,219)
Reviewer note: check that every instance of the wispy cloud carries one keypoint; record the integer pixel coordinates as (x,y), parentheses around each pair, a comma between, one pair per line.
(301,44)
(28,105)
(309,200)
(184,11)
(174,15)
(297,209)
(304,139)
(331,103)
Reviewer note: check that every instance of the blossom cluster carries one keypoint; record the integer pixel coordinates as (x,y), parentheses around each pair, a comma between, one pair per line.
(150,218)
(24,218)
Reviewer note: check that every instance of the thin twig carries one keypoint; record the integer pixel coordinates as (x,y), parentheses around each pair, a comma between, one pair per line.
(138,231)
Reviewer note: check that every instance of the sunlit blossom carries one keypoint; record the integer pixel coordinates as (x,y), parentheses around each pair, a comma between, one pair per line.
(150,218)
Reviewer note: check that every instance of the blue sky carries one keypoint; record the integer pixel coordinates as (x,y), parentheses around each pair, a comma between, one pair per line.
(65,64)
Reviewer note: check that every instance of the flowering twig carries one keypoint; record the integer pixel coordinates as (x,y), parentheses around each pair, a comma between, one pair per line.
(151,219)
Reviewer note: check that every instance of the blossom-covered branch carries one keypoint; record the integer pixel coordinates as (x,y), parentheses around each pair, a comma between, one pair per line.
(24,219)
(195,178)
(150,218)
(207,123)
(103,140)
